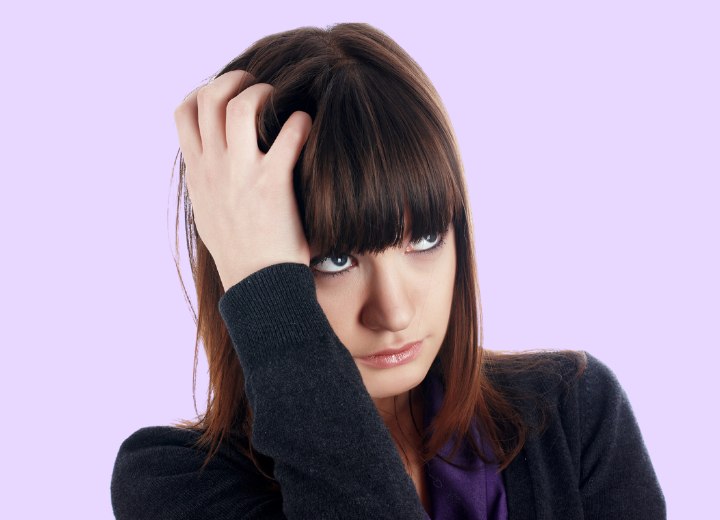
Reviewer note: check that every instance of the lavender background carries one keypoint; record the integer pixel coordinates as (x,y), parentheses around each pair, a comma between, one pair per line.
(589,134)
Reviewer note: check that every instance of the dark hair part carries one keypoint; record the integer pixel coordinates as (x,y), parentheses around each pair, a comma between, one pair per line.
(381,145)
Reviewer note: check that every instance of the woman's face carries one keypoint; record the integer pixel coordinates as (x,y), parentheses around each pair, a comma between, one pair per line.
(384,301)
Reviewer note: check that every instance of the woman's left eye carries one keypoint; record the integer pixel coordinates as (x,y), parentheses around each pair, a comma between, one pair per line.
(433,238)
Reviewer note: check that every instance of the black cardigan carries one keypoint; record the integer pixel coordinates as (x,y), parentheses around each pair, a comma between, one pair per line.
(332,454)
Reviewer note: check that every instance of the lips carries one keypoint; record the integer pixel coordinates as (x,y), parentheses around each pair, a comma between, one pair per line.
(396,357)
(390,351)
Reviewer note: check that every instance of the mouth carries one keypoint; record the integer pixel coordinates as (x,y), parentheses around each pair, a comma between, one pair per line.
(392,351)
(393,357)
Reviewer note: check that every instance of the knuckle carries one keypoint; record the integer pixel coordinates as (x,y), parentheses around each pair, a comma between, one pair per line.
(261,86)
(257,91)
(239,105)
(248,101)
(293,134)
(182,110)
(207,94)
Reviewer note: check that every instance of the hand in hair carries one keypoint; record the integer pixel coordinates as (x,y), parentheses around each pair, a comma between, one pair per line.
(243,202)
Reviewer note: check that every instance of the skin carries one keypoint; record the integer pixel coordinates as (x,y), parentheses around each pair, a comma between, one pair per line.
(243,200)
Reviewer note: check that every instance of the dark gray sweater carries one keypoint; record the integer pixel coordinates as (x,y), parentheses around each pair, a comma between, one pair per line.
(334,457)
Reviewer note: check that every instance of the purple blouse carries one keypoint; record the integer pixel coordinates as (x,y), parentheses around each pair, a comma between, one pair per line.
(474,494)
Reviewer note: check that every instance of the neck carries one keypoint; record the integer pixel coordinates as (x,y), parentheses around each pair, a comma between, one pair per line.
(395,412)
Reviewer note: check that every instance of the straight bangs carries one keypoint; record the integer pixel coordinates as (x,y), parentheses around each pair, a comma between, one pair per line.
(376,152)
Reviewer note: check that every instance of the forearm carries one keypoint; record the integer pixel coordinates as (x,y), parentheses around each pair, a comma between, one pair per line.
(333,456)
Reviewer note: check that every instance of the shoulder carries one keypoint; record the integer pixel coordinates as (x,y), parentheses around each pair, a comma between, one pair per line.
(158,467)
(157,450)
(555,381)
(545,370)
(586,449)
(537,373)
(153,437)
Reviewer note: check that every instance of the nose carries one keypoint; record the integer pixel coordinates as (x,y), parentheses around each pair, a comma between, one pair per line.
(389,305)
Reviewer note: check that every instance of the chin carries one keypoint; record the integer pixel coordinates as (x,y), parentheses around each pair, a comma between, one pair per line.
(389,382)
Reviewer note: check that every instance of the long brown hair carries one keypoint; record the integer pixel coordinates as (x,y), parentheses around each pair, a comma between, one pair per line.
(381,144)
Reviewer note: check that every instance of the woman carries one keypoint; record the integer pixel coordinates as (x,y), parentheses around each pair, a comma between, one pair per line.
(330,242)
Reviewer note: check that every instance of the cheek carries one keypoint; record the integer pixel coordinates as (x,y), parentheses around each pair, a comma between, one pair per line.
(446,286)
(339,306)
(446,283)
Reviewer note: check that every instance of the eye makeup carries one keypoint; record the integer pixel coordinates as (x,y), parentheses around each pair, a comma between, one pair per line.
(319,260)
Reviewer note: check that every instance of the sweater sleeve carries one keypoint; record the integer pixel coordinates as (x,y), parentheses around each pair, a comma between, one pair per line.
(332,455)
(617,479)
(157,476)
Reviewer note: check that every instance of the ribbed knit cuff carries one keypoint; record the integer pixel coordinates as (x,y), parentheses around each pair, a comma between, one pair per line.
(274,306)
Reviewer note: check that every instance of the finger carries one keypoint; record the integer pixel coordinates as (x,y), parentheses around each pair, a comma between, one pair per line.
(241,123)
(186,122)
(286,149)
(212,100)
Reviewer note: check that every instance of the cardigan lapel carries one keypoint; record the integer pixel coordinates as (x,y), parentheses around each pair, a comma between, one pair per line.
(519,489)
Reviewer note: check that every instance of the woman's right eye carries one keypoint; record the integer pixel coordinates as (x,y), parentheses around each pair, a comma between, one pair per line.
(333,265)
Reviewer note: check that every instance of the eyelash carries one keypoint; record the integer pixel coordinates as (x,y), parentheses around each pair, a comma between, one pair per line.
(344,271)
